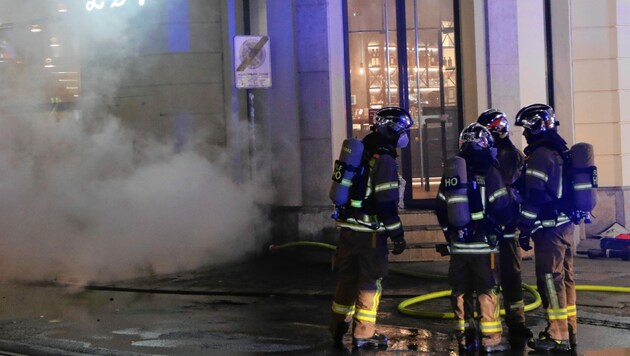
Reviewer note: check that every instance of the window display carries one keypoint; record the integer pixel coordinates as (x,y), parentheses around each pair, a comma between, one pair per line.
(431,78)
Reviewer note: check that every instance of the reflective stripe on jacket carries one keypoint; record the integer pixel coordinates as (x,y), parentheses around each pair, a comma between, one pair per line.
(474,248)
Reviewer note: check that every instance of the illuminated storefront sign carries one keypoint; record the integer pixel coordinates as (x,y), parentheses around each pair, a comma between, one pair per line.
(101,4)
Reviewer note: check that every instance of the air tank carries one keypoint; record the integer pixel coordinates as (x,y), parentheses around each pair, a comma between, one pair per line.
(346,167)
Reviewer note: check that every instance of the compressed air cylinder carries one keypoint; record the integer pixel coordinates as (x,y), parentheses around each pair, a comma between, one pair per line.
(345,169)
(454,185)
(584,176)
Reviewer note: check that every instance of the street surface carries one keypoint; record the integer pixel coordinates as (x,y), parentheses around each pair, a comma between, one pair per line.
(277,304)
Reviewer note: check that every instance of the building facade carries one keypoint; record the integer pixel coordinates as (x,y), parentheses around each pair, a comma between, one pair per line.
(170,70)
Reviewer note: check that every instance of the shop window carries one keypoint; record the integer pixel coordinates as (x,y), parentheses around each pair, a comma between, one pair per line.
(431,82)
(38,60)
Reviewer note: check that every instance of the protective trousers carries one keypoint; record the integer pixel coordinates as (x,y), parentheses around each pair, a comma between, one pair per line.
(361,263)
(470,273)
(554,277)
(511,281)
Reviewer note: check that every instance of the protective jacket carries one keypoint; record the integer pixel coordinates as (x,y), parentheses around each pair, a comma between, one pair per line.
(541,184)
(511,162)
(377,210)
(488,203)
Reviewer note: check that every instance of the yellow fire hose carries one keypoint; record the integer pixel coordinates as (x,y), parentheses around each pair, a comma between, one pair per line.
(403,307)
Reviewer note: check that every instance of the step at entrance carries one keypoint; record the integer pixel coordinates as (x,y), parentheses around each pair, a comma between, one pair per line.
(422,233)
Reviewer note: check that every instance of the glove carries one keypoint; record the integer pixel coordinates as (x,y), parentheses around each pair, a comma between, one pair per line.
(523,241)
(491,240)
(443,249)
(493,233)
(399,246)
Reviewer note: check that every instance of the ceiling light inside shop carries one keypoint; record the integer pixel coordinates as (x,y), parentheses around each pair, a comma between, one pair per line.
(54,42)
(48,63)
(36,28)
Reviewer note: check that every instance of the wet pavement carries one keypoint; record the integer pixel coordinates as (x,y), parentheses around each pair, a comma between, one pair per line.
(271,304)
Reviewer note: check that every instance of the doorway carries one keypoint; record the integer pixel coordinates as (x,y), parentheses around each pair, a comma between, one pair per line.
(421,76)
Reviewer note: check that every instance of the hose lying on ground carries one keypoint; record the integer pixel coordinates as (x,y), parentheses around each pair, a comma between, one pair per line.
(403,307)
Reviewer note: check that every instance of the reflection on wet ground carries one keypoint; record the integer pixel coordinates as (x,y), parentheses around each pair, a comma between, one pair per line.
(245,311)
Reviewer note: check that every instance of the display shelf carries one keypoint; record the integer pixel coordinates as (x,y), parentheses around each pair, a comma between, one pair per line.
(431,76)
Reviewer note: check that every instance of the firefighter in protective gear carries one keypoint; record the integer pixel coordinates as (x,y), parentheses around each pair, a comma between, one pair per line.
(552,231)
(474,245)
(511,161)
(361,257)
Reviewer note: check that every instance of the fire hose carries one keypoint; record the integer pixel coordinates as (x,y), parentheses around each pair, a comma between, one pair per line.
(403,307)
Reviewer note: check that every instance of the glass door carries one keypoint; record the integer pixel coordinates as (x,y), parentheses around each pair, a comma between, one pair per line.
(429,59)
(373,60)
(433,99)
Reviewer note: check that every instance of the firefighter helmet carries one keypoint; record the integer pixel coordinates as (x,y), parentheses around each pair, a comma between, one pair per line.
(536,118)
(495,121)
(392,121)
(475,136)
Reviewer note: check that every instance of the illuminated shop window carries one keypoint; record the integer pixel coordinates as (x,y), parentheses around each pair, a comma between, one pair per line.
(431,67)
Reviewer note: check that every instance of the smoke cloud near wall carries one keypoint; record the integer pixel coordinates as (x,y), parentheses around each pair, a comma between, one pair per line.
(81,202)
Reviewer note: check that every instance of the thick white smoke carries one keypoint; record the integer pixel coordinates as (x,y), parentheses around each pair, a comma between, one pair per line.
(83,202)
(81,208)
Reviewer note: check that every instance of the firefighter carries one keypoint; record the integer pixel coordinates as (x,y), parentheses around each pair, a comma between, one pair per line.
(361,257)
(551,229)
(511,161)
(472,232)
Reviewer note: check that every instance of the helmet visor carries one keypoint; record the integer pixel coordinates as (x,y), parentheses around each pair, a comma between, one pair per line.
(475,137)
(536,118)
(499,125)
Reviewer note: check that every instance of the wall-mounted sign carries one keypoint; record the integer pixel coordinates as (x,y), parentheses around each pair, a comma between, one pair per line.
(252,62)
(92,5)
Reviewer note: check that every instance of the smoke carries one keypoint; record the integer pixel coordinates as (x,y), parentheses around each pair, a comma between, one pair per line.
(82,202)
(82,208)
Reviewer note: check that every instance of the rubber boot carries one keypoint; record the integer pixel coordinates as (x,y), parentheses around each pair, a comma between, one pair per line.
(502,345)
(467,342)
(377,341)
(544,343)
(471,340)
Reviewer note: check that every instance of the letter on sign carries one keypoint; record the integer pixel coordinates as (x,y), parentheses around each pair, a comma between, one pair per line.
(100,4)
(93,4)
(117,3)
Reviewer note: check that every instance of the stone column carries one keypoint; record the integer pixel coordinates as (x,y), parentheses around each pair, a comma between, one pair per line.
(314,83)
(503,56)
